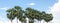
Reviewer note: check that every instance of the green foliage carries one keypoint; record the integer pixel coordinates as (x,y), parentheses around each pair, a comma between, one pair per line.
(10,14)
(23,18)
(48,17)
(11,17)
(29,13)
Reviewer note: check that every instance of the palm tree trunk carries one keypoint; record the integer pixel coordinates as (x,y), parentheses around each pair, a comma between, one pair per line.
(31,21)
(43,21)
(23,22)
(40,21)
(11,21)
(17,20)
(47,22)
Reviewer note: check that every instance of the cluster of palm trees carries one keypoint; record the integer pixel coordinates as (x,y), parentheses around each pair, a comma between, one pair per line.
(29,13)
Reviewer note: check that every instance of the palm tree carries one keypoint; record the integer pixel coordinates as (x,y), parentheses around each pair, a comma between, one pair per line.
(18,12)
(38,15)
(10,14)
(30,14)
(43,14)
(15,12)
(48,17)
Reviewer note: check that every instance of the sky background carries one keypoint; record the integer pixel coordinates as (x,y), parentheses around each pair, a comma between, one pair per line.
(49,6)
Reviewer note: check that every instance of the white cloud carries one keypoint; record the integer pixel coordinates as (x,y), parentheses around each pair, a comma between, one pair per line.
(55,10)
(1,22)
(4,8)
(31,4)
(56,21)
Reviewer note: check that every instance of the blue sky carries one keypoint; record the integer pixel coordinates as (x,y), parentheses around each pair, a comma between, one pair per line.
(41,5)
